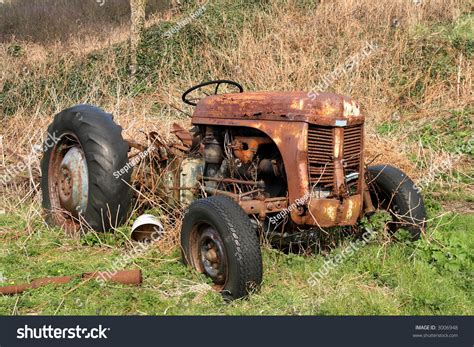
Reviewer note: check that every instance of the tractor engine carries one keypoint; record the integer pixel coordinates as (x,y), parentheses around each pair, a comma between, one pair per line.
(242,161)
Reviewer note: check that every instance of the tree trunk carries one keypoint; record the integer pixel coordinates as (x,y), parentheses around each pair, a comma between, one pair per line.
(138,23)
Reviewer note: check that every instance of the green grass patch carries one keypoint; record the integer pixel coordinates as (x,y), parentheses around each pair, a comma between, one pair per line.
(453,133)
(431,276)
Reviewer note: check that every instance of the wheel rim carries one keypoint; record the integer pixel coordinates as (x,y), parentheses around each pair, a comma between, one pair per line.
(68,181)
(208,254)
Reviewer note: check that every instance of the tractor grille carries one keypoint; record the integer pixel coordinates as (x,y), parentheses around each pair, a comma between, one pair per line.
(352,148)
(320,155)
(321,149)
(352,153)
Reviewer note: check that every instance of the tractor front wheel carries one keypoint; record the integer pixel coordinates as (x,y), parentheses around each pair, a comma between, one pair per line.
(393,191)
(219,240)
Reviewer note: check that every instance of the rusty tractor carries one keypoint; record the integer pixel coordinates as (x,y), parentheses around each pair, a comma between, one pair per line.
(282,166)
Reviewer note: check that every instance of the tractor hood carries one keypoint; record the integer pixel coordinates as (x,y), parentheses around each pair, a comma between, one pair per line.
(317,108)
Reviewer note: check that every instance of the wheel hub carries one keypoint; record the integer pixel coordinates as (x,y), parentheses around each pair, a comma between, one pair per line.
(212,255)
(73,181)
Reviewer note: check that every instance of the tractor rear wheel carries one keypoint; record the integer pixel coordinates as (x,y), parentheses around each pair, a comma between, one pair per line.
(393,191)
(84,153)
(219,240)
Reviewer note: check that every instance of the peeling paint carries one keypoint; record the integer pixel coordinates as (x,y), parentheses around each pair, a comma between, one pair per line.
(297,104)
(350,205)
(350,109)
(331,212)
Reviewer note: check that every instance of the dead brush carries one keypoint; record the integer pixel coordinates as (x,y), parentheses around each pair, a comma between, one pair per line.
(49,20)
(270,53)
(151,191)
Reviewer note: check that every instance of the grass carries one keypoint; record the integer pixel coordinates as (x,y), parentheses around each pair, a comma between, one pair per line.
(416,91)
(430,277)
(50,20)
(451,133)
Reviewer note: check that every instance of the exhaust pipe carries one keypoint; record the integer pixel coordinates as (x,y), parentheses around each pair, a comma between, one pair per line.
(132,277)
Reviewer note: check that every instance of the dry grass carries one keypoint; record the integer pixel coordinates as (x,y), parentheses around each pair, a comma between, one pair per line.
(283,47)
(43,21)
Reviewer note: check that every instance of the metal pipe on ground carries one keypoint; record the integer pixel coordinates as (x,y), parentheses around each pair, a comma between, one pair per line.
(132,277)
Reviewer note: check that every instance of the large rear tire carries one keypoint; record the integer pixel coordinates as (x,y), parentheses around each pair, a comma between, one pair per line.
(219,240)
(393,191)
(81,181)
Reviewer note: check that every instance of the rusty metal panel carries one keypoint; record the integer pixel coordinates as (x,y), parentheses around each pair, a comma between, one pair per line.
(323,108)
(262,207)
(290,138)
(190,170)
(331,212)
(182,134)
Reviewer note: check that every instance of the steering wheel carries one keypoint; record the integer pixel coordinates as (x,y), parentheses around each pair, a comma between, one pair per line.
(190,101)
